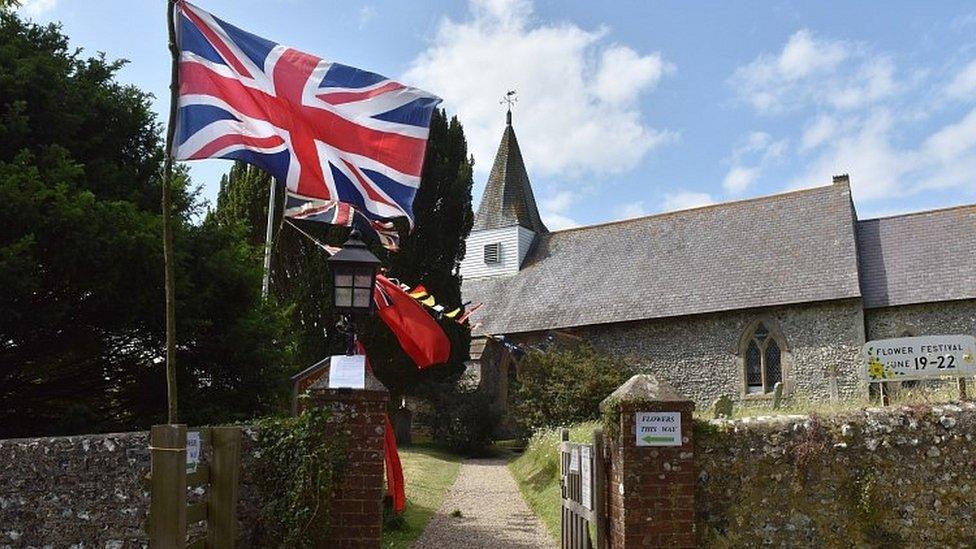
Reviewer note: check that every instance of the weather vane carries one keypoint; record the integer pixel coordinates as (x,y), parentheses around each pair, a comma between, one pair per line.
(509,98)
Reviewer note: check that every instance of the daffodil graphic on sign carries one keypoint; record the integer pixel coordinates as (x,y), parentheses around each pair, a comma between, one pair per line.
(967,358)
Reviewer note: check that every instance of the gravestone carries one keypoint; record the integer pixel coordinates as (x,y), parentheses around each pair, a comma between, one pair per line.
(777,395)
(402,425)
(722,407)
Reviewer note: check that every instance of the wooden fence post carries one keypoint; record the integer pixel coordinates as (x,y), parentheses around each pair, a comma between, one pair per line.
(224,476)
(167,509)
(564,524)
(599,490)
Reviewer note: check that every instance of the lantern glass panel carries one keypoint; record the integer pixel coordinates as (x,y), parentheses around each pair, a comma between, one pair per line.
(361,298)
(343,297)
(343,279)
(364,278)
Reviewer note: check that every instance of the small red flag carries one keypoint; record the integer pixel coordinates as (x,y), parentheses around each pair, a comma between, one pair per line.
(420,336)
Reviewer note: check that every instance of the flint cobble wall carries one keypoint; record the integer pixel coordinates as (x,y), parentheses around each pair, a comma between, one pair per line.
(700,355)
(949,317)
(880,478)
(88,491)
(74,490)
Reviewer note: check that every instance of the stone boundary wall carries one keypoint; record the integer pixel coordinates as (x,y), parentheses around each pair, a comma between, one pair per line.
(879,477)
(87,491)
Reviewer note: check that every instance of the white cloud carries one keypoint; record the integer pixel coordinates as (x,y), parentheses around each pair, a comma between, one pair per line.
(875,81)
(880,169)
(867,155)
(35,8)
(953,141)
(553,210)
(684,200)
(631,210)
(622,70)
(818,132)
(572,119)
(810,70)
(758,149)
(963,85)
(803,56)
(739,179)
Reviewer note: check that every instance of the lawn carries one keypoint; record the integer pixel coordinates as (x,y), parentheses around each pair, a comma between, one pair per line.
(537,472)
(428,473)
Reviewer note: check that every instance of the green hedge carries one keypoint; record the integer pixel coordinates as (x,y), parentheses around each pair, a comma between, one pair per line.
(298,464)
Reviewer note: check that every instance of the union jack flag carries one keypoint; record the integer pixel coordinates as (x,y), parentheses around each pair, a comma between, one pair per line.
(332,133)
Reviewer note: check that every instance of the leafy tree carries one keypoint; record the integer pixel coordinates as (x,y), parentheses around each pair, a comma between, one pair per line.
(301,282)
(81,279)
(563,385)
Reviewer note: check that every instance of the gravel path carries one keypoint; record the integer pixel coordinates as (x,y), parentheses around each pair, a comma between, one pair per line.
(493,513)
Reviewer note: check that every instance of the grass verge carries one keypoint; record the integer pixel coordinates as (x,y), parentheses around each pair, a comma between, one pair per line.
(428,473)
(929,392)
(537,472)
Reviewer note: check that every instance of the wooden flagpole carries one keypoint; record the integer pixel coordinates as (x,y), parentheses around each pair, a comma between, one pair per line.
(167,227)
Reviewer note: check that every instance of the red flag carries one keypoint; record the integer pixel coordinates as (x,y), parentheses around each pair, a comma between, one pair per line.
(394,470)
(395,484)
(420,336)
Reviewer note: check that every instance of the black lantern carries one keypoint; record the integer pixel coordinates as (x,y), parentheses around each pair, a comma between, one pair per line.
(353,276)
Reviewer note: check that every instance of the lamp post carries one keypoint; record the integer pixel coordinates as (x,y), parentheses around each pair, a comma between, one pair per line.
(354,270)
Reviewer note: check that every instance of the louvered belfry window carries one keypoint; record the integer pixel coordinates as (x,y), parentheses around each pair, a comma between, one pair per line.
(763,361)
(493,252)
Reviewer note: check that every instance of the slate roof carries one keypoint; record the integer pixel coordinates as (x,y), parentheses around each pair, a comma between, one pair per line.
(918,258)
(508,199)
(788,248)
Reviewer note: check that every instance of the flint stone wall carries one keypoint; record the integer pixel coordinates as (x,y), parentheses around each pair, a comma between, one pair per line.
(949,317)
(88,491)
(880,478)
(700,355)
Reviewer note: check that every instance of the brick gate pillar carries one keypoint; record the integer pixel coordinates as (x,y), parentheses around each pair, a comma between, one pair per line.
(651,488)
(356,512)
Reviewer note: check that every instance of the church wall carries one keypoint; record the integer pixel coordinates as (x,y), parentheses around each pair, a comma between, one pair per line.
(699,355)
(945,318)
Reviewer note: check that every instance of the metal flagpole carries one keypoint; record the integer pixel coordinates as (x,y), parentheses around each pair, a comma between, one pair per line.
(268,235)
(167,227)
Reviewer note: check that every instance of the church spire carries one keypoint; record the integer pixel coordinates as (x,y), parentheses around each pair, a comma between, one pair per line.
(508,199)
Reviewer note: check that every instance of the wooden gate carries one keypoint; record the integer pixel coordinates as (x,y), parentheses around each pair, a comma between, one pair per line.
(210,513)
(584,488)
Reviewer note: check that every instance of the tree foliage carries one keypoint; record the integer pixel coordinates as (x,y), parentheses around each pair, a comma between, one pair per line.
(81,278)
(563,385)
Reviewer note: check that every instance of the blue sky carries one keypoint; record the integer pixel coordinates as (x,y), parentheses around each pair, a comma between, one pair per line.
(631,108)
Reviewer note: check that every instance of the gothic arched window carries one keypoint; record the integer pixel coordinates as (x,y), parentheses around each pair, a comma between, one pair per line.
(763,361)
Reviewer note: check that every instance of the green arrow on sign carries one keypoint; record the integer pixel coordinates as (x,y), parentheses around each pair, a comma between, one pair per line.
(650,439)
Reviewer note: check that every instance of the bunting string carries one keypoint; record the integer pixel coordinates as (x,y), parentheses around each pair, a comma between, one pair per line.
(418,292)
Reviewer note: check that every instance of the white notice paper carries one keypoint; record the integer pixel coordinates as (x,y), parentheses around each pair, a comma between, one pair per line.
(574,460)
(192,451)
(347,371)
(587,478)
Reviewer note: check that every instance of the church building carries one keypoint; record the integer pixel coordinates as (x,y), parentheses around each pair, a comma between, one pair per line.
(727,299)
